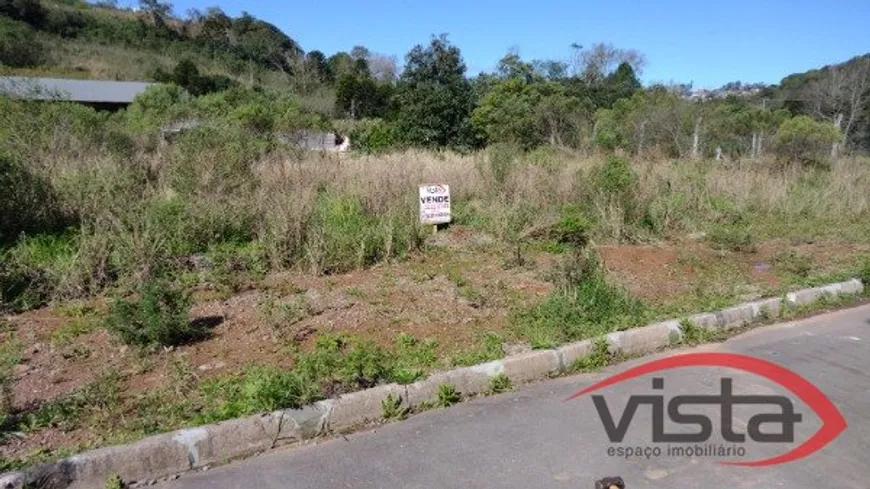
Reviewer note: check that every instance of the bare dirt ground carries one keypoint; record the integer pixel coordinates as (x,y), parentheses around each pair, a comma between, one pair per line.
(462,286)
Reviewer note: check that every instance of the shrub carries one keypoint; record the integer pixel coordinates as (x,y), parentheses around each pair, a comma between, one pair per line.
(27,203)
(805,140)
(39,269)
(864,274)
(615,177)
(30,11)
(374,136)
(795,263)
(257,389)
(157,106)
(156,316)
(573,227)
(19,46)
(583,305)
(733,237)
(343,364)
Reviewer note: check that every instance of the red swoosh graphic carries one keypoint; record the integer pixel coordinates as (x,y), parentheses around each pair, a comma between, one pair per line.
(833,422)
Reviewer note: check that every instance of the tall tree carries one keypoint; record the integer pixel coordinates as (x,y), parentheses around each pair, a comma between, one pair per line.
(434,97)
(316,66)
(159,11)
(594,63)
(840,95)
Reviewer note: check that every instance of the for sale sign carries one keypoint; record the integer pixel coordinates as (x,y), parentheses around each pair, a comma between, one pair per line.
(434,204)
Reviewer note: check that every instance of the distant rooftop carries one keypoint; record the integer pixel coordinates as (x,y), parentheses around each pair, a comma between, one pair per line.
(85,91)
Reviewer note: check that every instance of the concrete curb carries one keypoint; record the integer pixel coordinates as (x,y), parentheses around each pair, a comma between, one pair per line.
(170,454)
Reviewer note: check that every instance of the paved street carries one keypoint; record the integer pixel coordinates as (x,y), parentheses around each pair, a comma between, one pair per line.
(533,438)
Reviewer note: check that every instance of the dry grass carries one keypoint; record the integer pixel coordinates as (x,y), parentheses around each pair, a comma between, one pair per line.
(144,208)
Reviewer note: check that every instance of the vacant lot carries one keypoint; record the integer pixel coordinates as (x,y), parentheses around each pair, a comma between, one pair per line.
(149,284)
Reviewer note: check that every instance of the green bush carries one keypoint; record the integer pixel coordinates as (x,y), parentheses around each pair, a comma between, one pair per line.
(343,364)
(864,274)
(157,315)
(258,389)
(30,11)
(374,136)
(19,46)
(615,177)
(156,107)
(805,140)
(573,227)
(27,203)
(733,237)
(583,305)
(39,269)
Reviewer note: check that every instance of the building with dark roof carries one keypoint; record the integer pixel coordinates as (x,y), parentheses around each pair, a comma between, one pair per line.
(100,94)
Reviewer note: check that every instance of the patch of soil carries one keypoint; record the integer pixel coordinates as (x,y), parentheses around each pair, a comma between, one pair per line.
(457,289)
(653,273)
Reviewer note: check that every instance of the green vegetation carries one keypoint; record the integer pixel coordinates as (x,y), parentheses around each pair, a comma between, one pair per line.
(696,335)
(447,396)
(500,383)
(115,482)
(599,358)
(584,305)
(393,408)
(10,355)
(157,317)
(198,189)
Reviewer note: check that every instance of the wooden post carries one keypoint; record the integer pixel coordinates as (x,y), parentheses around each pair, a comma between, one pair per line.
(434,229)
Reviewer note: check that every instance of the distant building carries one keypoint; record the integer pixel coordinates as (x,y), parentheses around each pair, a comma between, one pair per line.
(100,94)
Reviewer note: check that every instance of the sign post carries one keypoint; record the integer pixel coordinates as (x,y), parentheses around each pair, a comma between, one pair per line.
(434,205)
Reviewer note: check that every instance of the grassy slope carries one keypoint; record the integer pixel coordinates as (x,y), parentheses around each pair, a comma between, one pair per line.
(89,58)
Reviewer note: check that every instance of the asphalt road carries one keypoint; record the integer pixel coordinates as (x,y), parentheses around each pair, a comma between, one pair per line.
(534,438)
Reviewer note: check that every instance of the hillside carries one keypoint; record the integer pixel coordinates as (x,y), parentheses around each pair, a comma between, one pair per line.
(80,40)
(838,91)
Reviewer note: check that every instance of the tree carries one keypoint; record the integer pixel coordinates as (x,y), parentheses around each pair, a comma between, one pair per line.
(316,65)
(340,64)
(594,63)
(159,11)
(263,42)
(512,66)
(186,75)
(359,96)
(360,52)
(550,69)
(434,97)
(382,67)
(527,114)
(840,95)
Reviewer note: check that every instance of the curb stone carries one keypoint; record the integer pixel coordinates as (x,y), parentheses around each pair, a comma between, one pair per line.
(170,454)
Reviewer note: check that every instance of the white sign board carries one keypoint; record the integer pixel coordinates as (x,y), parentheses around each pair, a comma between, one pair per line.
(434,204)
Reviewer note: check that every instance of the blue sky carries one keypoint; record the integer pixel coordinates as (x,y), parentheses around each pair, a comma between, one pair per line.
(707,42)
